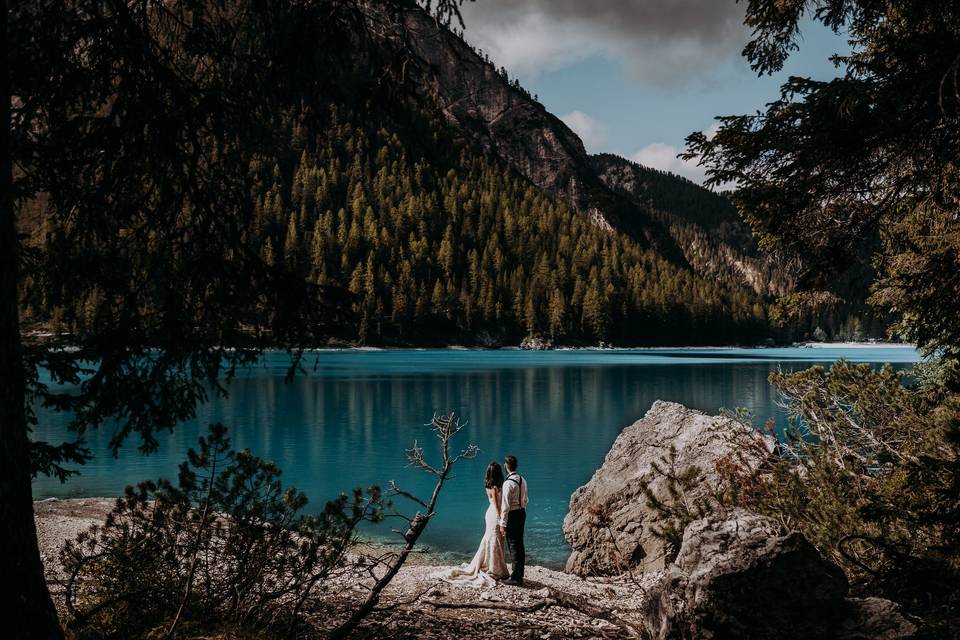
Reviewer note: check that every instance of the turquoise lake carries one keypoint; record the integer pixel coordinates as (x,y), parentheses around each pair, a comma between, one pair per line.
(347,421)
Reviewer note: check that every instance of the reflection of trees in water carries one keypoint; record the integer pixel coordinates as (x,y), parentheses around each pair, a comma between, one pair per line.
(343,429)
(320,420)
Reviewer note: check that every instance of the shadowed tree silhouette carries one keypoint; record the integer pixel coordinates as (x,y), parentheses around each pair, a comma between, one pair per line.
(132,127)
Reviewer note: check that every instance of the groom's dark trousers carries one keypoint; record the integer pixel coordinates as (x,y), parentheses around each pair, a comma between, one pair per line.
(514,534)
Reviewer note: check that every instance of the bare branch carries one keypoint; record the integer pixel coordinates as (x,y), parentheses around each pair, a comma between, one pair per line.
(444,428)
(395,490)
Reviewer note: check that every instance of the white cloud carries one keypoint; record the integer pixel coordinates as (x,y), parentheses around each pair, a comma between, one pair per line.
(593,132)
(664,42)
(711,131)
(531,44)
(659,155)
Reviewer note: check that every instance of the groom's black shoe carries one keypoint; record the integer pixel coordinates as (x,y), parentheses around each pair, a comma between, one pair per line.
(512,582)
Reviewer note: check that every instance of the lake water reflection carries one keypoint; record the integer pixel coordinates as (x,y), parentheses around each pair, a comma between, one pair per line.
(347,421)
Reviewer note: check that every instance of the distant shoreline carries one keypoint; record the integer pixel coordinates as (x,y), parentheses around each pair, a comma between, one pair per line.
(798,345)
(854,345)
(562,347)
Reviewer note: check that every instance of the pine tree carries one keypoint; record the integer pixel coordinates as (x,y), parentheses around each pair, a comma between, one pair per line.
(557,314)
(291,244)
(530,317)
(438,299)
(267,252)
(318,252)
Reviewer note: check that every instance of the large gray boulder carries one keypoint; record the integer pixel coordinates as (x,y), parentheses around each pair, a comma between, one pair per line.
(739,575)
(609,526)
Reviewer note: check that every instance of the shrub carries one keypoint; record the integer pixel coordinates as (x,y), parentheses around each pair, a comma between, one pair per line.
(227,544)
(868,472)
(681,505)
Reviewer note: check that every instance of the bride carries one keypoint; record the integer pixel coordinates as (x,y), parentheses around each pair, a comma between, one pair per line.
(489,563)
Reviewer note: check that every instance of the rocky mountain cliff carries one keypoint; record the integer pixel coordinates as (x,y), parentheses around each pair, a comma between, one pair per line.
(703,224)
(687,224)
(504,119)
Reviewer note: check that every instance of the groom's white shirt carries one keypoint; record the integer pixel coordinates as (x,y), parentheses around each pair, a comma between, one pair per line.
(514,496)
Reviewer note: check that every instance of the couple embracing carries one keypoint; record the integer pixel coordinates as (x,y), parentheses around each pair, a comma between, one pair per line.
(505,519)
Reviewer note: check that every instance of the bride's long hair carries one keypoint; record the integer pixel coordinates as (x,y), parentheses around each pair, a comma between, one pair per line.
(493,479)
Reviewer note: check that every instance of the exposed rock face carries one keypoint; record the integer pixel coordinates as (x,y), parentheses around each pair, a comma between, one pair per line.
(623,539)
(536,343)
(510,124)
(475,99)
(740,576)
(706,227)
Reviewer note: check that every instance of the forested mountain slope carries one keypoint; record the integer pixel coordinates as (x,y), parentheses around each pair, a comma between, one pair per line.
(458,210)
(705,226)
(442,242)
(662,210)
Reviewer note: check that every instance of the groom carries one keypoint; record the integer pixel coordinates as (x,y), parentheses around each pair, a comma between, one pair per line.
(513,515)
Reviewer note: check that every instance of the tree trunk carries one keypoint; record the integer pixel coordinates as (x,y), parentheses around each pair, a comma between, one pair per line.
(25,605)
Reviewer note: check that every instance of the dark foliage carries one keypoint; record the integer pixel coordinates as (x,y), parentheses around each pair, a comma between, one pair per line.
(868,473)
(862,170)
(227,545)
(681,505)
(133,124)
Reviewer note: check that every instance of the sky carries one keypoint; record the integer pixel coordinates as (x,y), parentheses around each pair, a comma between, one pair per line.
(635,77)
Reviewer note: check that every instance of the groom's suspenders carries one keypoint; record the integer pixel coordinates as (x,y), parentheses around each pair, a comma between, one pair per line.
(519,484)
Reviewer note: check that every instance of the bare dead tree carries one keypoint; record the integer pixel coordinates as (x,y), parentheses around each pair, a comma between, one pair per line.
(444,428)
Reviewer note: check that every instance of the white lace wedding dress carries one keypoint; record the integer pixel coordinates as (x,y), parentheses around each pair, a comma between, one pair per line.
(489,563)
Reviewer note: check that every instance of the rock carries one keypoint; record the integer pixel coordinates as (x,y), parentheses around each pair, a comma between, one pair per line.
(536,343)
(737,575)
(476,100)
(875,619)
(488,340)
(612,502)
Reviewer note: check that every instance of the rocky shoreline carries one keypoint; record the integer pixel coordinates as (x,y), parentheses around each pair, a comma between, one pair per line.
(731,573)
(454,612)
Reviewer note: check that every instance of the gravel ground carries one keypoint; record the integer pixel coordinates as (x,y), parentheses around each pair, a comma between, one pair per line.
(406,603)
